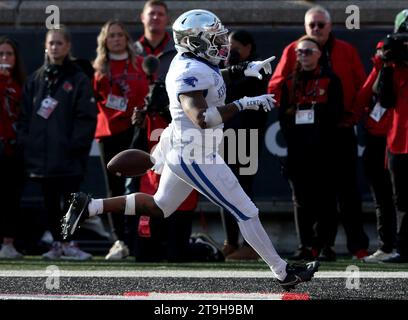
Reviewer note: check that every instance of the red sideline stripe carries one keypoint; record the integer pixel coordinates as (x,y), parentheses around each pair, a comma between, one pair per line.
(136,294)
(295,296)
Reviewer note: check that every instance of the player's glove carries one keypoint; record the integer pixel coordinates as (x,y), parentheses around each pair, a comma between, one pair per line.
(253,69)
(236,71)
(252,103)
(250,69)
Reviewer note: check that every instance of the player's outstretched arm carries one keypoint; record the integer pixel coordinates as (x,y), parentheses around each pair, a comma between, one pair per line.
(196,108)
(248,69)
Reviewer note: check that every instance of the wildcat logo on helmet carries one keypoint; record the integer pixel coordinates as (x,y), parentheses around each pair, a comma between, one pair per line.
(190,81)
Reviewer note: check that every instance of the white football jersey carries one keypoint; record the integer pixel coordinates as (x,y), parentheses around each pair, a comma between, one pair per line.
(188,74)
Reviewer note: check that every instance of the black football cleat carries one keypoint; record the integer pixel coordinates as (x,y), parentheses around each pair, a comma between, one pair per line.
(297,273)
(77,212)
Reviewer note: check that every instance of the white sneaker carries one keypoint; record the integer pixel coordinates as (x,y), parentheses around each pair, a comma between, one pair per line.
(378,256)
(9,252)
(47,238)
(55,252)
(118,251)
(72,252)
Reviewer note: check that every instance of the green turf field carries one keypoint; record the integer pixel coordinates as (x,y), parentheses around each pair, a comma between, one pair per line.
(100,264)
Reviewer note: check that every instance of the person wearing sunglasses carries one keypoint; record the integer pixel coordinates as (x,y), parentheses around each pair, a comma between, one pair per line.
(311,107)
(344,61)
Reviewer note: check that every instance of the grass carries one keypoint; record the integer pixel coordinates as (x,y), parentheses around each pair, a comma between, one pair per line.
(100,264)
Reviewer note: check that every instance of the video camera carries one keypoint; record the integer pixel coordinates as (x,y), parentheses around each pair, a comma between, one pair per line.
(395,47)
(157,100)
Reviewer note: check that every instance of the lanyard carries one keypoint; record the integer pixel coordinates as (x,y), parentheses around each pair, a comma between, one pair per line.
(328,60)
(313,91)
(52,84)
(122,80)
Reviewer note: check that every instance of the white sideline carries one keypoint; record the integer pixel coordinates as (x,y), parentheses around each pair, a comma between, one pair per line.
(192,274)
(158,296)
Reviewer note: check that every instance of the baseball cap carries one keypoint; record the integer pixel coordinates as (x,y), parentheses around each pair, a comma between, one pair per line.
(401,21)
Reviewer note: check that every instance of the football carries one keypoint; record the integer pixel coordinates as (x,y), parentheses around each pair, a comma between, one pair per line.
(130,163)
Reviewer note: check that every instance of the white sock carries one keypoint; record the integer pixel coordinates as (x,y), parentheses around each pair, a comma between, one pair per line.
(254,233)
(95,207)
(130,208)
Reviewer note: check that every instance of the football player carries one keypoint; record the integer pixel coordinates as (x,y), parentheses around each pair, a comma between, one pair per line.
(187,156)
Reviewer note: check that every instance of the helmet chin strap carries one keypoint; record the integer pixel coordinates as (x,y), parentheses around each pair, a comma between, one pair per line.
(214,60)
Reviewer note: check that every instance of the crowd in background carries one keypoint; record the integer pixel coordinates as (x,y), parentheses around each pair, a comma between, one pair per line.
(49,120)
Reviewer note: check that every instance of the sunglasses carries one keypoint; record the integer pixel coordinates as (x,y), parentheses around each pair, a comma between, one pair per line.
(320,25)
(305,52)
(6,53)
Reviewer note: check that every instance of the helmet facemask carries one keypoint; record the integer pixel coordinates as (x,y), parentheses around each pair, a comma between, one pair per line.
(219,46)
(207,39)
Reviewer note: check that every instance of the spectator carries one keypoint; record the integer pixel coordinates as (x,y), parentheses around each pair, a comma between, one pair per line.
(56,129)
(119,85)
(311,107)
(344,61)
(155,41)
(377,123)
(12,78)
(159,239)
(243,49)
(392,88)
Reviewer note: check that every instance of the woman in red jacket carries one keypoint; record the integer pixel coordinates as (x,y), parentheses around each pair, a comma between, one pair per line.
(120,84)
(11,81)
(344,61)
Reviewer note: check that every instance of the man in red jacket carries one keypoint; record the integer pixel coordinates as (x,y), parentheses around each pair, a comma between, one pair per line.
(155,20)
(377,122)
(392,86)
(344,61)
(157,41)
